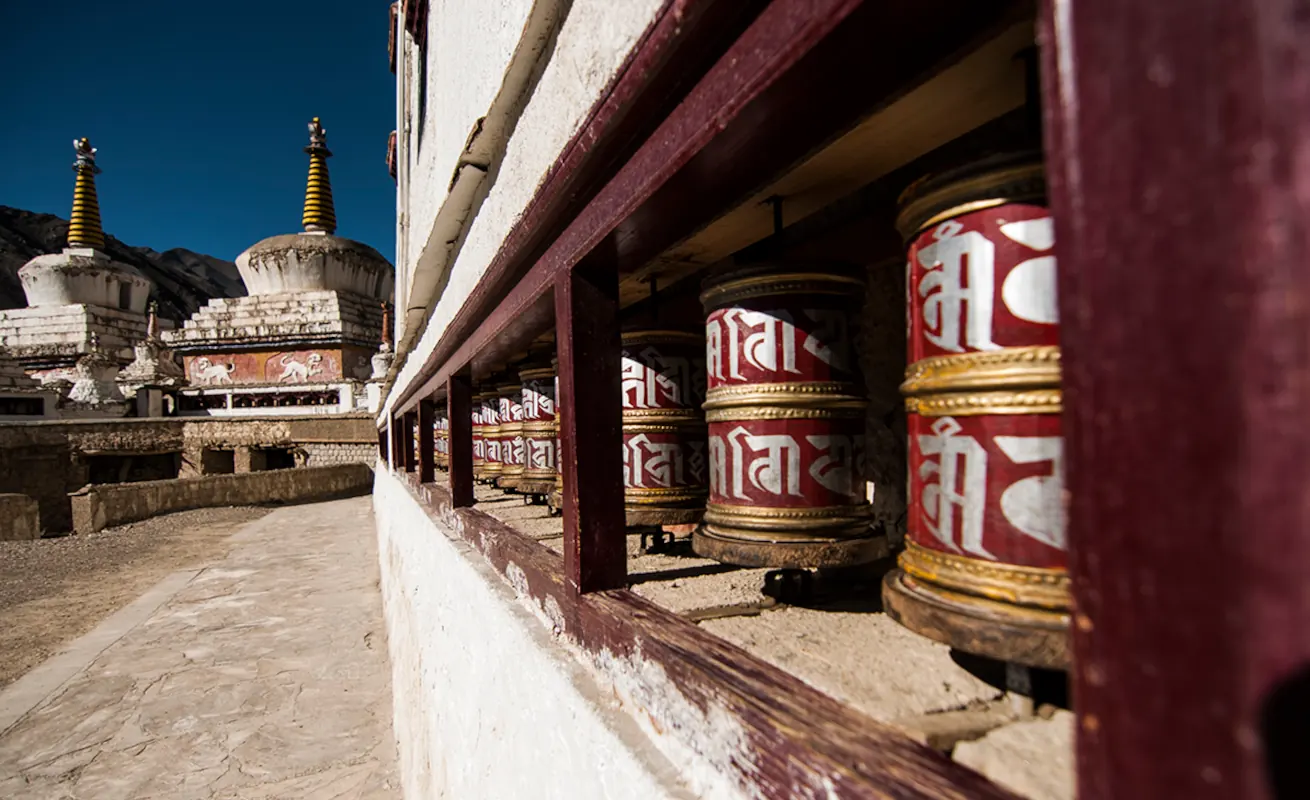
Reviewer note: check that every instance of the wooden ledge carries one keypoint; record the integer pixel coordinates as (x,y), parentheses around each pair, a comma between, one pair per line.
(798,741)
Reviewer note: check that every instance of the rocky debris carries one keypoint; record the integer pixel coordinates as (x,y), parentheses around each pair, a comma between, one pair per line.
(183,280)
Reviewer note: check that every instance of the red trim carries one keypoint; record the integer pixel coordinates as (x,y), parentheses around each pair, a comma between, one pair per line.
(799,742)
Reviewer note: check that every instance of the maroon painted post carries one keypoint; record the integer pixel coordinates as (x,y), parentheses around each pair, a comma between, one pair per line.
(427,448)
(459,410)
(407,423)
(1180,182)
(591,423)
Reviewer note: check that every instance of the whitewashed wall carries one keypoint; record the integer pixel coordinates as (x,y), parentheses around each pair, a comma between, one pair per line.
(469,49)
(596,37)
(486,704)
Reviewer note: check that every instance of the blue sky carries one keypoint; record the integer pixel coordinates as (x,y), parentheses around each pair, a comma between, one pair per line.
(199,113)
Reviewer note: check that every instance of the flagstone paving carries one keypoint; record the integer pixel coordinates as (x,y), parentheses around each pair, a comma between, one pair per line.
(264,675)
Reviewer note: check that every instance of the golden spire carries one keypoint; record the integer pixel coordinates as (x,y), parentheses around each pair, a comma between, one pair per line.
(319,214)
(84,227)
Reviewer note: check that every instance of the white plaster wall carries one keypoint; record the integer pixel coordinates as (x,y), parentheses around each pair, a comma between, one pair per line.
(486,703)
(468,50)
(596,37)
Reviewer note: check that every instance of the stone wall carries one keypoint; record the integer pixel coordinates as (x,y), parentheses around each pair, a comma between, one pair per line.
(101,506)
(19,517)
(49,460)
(320,455)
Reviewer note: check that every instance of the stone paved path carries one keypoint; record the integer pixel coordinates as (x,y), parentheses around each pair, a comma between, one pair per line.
(264,675)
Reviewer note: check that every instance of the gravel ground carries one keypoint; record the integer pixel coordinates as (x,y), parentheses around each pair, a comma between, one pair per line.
(53,590)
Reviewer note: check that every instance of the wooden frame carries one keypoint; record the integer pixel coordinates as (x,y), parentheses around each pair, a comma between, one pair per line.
(459,409)
(1176,146)
(1185,463)
(408,421)
(595,545)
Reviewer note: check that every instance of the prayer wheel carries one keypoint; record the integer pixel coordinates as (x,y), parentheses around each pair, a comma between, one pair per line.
(479,439)
(539,446)
(664,469)
(785,409)
(511,435)
(492,465)
(441,441)
(984,569)
(556,499)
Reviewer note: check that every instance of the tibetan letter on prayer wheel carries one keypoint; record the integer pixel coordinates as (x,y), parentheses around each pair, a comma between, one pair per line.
(511,435)
(538,476)
(984,564)
(785,410)
(664,469)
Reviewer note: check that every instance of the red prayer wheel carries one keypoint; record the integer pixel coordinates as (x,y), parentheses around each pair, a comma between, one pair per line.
(984,569)
(479,438)
(664,445)
(785,409)
(492,465)
(539,446)
(441,441)
(556,498)
(511,435)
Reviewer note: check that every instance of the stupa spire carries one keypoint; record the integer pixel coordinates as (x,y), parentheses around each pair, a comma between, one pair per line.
(84,228)
(319,213)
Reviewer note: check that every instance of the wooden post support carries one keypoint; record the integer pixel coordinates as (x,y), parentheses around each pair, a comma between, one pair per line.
(427,448)
(382,444)
(1176,149)
(459,410)
(591,423)
(407,423)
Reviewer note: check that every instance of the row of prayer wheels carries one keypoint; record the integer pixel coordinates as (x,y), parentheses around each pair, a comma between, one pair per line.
(754,428)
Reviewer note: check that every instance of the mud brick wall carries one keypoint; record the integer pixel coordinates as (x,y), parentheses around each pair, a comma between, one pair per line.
(102,506)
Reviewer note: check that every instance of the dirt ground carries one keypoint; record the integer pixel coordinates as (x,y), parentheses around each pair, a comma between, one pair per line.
(53,590)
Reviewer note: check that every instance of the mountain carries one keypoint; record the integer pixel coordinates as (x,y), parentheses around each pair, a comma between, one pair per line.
(183,280)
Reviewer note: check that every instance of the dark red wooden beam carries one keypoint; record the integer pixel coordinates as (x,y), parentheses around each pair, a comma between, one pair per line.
(459,410)
(1180,179)
(427,451)
(802,73)
(591,423)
